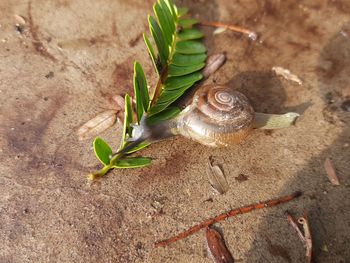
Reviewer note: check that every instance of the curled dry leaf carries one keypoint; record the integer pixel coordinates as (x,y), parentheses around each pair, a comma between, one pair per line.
(287,74)
(274,121)
(217,179)
(98,124)
(217,247)
(331,173)
(214,62)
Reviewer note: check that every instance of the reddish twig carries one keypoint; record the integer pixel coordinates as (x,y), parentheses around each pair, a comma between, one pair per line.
(308,239)
(304,237)
(251,34)
(223,216)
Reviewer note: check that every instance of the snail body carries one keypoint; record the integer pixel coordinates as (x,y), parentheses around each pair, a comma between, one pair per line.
(218,116)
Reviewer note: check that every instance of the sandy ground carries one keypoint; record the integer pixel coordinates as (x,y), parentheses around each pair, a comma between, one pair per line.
(56,73)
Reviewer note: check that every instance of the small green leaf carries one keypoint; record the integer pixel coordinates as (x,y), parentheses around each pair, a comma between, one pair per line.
(168,15)
(172,95)
(138,147)
(172,8)
(151,53)
(190,47)
(163,49)
(128,115)
(190,34)
(132,162)
(181,70)
(181,11)
(167,98)
(166,114)
(159,107)
(164,23)
(187,22)
(102,151)
(141,91)
(188,60)
(174,83)
(125,130)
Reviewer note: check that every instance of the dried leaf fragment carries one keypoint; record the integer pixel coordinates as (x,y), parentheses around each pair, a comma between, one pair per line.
(214,62)
(331,173)
(219,30)
(19,19)
(217,247)
(120,102)
(217,179)
(98,124)
(287,74)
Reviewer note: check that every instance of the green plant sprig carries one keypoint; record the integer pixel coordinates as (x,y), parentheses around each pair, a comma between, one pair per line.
(178,62)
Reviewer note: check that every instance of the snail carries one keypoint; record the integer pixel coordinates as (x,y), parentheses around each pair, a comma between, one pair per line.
(217,116)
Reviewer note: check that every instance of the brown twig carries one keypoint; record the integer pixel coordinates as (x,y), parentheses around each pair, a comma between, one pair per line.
(223,216)
(308,239)
(304,237)
(294,224)
(251,34)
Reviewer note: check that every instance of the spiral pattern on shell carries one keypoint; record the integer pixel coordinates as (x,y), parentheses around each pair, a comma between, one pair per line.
(219,116)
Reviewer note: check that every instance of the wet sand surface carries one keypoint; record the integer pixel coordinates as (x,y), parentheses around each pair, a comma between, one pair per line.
(57,72)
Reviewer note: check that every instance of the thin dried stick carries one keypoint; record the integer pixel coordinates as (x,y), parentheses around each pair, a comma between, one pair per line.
(251,34)
(294,224)
(306,237)
(223,216)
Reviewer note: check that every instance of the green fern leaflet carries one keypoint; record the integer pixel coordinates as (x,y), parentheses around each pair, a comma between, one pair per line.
(178,56)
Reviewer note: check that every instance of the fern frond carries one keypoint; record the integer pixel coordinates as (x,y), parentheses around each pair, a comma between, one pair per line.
(180,53)
(178,57)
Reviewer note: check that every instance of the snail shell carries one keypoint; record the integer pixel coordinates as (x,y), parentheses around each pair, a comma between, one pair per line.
(218,116)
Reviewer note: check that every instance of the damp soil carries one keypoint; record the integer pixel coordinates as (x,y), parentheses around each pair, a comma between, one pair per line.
(57,70)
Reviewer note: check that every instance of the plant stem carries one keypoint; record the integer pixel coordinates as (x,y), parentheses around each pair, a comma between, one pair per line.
(105,168)
(160,82)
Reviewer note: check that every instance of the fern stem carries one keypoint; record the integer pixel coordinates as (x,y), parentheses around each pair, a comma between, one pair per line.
(105,169)
(163,76)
